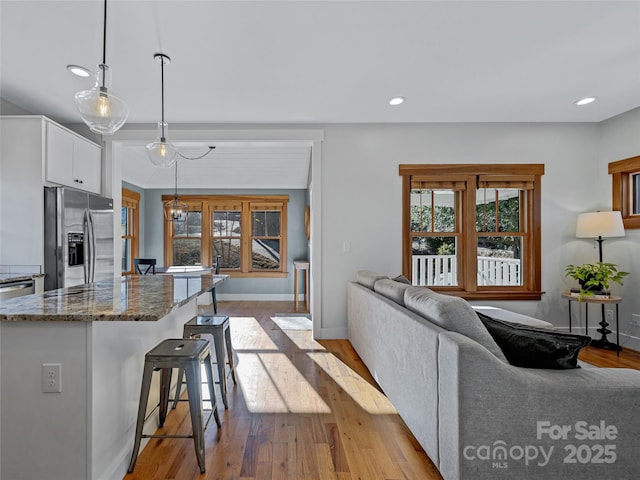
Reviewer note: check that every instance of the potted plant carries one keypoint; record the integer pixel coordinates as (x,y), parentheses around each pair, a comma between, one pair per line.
(595,278)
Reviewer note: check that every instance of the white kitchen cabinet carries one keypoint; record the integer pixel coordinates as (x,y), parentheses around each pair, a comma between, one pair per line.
(72,160)
(25,148)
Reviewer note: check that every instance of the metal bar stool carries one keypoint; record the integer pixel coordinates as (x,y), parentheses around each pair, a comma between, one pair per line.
(218,327)
(187,355)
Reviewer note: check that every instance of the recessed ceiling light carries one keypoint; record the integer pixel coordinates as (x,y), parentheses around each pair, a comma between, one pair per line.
(586,101)
(79,71)
(396,100)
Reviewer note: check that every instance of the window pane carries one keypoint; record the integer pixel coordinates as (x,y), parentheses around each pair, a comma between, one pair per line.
(273,224)
(635,194)
(192,227)
(259,222)
(266,224)
(186,251)
(434,261)
(194,224)
(126,255)
(229,250)
(226,223)
(124,221)
(508,210)
(265,254)
(500,261)
(433,210)
(179,229)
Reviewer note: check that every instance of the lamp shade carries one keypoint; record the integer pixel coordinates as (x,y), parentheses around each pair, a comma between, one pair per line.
(600,224)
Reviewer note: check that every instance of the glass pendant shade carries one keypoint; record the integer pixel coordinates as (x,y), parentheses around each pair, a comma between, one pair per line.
(102,111)
(162,153)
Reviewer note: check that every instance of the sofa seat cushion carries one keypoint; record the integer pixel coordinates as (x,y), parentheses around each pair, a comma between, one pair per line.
(451,313)
(531,347)
(391,289)
(368,278)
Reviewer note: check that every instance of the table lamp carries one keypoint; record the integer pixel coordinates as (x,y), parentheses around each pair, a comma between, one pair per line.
(600,225)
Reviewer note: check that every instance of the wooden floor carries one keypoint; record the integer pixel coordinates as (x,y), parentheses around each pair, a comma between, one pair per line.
(302,410)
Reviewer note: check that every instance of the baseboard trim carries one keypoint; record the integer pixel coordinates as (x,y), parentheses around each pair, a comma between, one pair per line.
(256,296)
(331,333)
(205,298)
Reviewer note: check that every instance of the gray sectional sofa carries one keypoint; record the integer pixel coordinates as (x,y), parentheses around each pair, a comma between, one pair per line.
(477,416)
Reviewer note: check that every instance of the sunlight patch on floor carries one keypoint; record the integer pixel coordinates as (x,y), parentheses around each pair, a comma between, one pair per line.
(249,335)
(286,392)
(362,392)
(303,340)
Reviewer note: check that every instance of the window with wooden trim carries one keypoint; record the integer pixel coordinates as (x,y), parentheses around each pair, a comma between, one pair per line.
(625,177)
(248,233)
(186,238)
(473,230)
(130,228)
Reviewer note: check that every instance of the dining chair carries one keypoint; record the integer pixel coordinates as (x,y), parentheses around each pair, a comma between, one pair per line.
(144,265)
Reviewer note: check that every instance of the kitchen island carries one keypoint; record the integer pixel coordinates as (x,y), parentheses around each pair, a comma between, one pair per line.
(98,334)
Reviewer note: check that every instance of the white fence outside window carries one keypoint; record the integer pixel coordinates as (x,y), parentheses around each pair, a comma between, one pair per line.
(443,270)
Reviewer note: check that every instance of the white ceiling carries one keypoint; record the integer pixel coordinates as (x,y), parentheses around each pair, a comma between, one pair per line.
(316,62)
(231,165)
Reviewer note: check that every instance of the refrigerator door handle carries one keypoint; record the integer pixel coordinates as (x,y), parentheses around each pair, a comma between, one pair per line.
(85,233)
(92,253)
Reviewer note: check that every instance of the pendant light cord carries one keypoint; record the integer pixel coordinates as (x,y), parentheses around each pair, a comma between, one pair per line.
(175,194)
(104,35)
(162,93)
(199,157)
(104,45)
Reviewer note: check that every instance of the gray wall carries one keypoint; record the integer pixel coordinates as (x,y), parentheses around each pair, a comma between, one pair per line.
(362,198)
(246,288)
(620,139)
(8,108)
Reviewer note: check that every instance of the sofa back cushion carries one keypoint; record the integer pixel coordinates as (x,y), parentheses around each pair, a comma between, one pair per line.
(368,278)
(391,289)
(451,313)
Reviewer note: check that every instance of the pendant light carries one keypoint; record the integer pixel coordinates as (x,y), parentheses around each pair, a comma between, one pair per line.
(101,110)
(174,210)
(161,153)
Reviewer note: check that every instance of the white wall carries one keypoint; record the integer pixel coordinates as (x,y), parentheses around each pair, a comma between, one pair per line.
(362,197)
(620,139)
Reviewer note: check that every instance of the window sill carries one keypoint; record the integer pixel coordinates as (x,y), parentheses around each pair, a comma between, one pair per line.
(493,295)
(233,274)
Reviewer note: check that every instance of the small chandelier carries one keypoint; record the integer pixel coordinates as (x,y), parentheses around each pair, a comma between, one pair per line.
(161,153)
(174,210)
(102,111)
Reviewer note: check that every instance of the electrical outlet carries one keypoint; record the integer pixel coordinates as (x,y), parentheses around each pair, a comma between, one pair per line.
(609,315)
(51,378)
(635,320)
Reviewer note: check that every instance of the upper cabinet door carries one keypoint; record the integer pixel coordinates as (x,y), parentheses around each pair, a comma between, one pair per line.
(72,160)
(87,165)
(59,160)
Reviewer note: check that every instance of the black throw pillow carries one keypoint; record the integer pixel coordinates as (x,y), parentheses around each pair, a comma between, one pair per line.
(532,347)
(401,279)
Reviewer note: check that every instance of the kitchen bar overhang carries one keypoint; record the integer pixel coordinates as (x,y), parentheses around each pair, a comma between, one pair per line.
(99,334)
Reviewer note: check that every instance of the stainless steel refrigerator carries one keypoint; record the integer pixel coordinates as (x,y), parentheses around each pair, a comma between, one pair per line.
(78,237)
